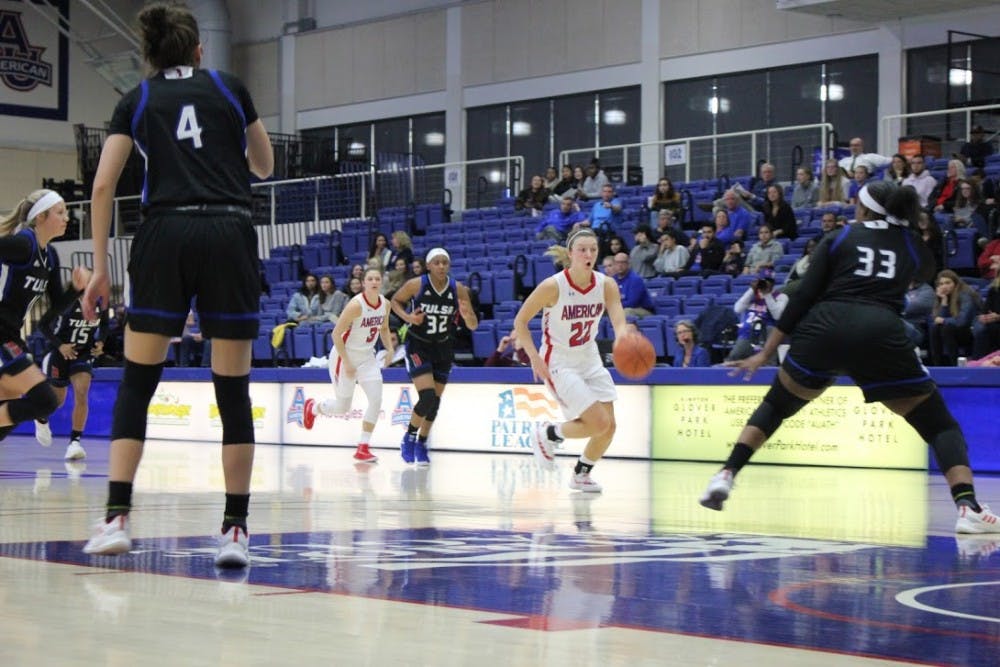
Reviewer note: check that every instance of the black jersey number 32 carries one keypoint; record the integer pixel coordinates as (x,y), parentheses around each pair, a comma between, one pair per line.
(188,127)
(886,263)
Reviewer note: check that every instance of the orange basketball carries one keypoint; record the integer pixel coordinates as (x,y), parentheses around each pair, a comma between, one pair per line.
(634,356)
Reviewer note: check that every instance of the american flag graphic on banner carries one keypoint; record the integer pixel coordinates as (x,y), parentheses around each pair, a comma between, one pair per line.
(527,403)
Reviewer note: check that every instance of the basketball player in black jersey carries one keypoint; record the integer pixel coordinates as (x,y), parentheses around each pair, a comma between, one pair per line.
(200,136)
(845,319)
(436,301)
(28,269)
(74,342)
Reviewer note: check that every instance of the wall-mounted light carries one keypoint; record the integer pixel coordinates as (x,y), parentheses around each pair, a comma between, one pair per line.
(434,139)
(833,92)
(614,117)
(960,77)
(494,176)
(520,128)
(718,105)
(356,148)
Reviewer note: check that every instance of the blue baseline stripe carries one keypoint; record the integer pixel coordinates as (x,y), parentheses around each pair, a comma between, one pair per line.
(805,370)
(923,378)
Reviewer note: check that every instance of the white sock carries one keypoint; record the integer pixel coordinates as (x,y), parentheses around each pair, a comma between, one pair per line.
(586,461)
(365,438)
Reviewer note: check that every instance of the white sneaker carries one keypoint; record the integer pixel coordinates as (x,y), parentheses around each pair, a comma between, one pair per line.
(233,550)
(43,433)
(581,481)
(111,538)
(718,490)
(970,521)
(75,451)
(543,448)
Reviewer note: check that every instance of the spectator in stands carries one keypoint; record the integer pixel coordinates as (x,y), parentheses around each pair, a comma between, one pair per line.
(509,352)
(833,184)
(395,277)
(358,271)
(644,252)
(828,222)
(737,220)
(759,185)
(946,191)
(799,269)
(304,304)
(806,191)
(533,198)
(417,267)
(192,348)
(565,186)
(954,310)
(608,265)
(778,214)
(606,214)
(861,177)
(551,179)
(706,252)
(987,259)
(579,176)
(759,309)
(871,161)
(558,222)
(976,149)
(402,247)
(672,257)
(733,260)
(611,246)
(635,297)
(898,170)
(693,355)
(930,233)
(398,352)
(986,327)
(764,253)
(920,179)
(665,198)
(666,223)
(917,311)
(331,300)
(379,252)
(595,182)
(968,208)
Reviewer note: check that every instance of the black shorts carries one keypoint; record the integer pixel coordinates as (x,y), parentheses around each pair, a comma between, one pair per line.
(58,369)
(423,357)
(865,342)
(180,255)
(14,356)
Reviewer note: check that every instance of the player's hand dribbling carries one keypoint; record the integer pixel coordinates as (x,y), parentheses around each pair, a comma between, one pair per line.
(97,293)
(747,366)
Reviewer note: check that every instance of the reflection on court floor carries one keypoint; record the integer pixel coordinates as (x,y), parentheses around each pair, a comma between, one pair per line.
(836,562)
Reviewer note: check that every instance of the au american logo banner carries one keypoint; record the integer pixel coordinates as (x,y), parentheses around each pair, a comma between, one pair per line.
(34,58)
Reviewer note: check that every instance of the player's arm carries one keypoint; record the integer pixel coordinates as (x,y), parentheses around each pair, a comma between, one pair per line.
(260,155)
(116,151)
(545,294)
(15,249)
(811,288)
(465,307)
(616,313)
(402,297)
(386,337)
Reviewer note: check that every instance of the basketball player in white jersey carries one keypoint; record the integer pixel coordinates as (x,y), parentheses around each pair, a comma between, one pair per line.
(572,303)
(352,361)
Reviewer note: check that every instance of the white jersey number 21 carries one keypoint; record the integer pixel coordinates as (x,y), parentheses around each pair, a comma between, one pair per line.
(187,126)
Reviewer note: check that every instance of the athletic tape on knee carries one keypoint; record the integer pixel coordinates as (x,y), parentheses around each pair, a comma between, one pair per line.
(934,422)
(425,402)
(232,395)
(40,402)
(136,390)
(373,392)
(778,405)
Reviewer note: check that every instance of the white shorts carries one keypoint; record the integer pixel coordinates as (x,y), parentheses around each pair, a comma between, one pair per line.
(578,386)
(366,369)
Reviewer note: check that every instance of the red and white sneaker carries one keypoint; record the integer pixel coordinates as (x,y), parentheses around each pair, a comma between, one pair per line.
(970,521)
(544,448)
(110,538)
(581,481)
(233,548)
(364,455)
(309,414)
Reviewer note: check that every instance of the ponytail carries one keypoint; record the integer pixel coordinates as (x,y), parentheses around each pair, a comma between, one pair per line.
(19,216)
(559,255)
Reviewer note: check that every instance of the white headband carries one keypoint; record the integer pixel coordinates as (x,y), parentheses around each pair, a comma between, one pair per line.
(47,201)
(870,202)
(434,252)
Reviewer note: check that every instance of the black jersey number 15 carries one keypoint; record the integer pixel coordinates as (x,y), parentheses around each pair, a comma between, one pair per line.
(188,127)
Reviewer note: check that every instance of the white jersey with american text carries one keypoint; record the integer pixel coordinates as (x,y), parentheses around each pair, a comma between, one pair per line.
(365,328)
(569,327)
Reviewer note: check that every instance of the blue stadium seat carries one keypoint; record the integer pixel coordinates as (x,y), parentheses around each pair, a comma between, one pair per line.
(484,339)
(652,328)
(665,304)
(302,342)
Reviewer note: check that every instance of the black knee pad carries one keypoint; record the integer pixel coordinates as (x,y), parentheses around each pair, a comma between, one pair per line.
(933,421)
(138,385)
(40,402)
(778,405)
(426,401)
(433,412)
(232,394)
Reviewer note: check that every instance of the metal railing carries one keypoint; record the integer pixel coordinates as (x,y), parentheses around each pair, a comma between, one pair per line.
(711,155)
(939,132)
